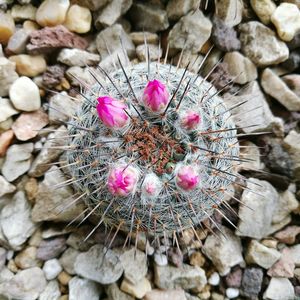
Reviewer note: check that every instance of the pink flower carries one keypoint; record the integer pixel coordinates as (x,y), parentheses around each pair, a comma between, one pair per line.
(122,181)
(155,96)
(191,120)
(151,186)
(111,112)
(187,178)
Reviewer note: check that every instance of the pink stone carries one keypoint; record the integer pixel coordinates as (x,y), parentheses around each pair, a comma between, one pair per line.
(5,140)
(288,235)
(27,125)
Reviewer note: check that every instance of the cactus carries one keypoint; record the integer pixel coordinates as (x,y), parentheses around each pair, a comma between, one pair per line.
(152,149)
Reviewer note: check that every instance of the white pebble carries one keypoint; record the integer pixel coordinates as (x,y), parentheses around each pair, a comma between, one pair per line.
(214,279)
(160,259)
(232,293)
(52,268)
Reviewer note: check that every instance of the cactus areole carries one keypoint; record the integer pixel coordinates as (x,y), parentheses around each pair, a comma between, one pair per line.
(153,149)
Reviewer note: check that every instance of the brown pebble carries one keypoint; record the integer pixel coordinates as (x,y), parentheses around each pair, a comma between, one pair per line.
(64,278)
(5,140)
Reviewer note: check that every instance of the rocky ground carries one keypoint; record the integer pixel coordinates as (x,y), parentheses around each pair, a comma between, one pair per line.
(45,45)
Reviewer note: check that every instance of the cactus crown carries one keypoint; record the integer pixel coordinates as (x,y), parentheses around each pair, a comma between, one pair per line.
(153,149)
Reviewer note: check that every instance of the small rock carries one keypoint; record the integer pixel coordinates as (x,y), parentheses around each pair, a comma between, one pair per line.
(176,9)
(156,294)
(83,289)
(148,17)
(260,44)
(27,258)
(250,150)
(138,38)
(232,293)
(214,279)
(6,109)
(138,290)
(53,75)
(288,235)
(24,94)
(17,42)
(77,57)
(64,278)
(261,255)
(68,259)
(293,82)
(230,11)
(224,37)
(77,74)
(294,252)
(27,125)
(52,268)
(3,255)
(186,277)
(7,27)
(51,248)
(93,5)
(110,38)
(114,293)
(28,65)
(52,12)
(134,263)
(5,140)
(23,12)
(224,252)
(197,259)
(51,292)
(175,256)
(154,52)
(251,282)
(262,203)
(286,19)
(6,187)
(112,12)
(263,9)
(160,259)
(78,19)
(278,289)
(192,31)
(234,278)
(18,160)
(26,284)
(7,76)
(240,67)
(275,86)
(50,203)
(90,265)
(51,38)
(292,145)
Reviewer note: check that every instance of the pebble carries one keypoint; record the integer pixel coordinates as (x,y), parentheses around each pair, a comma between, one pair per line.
(17,42)
(6,139)
(51,292)
(160,259)
(286,19)
(77,57)
(50,203)
(90,265)
(54,75)
(112,12)
(138,289)
(232,293)
(292,145)
(223,252)
(241,68)
(52,12)
(261,255)
(27,258)
(7,110)
(3,255)
(27,125)
(27,284)
(52,268)
(277,88)
(7,27)
(175,256)
(288,235)
(50,38)
(278,289)
(197,259)
(178,8)
(23,12)
(114,293)
(262,204)
(29,65)
(260,44)
(293,82)
(154,52)
(134,263)
(186,277)
(148,17)
(6,187)
(64,278)
(214,279)
(191,31)
(83,289)
(263,9)
(234,278)
(252,282)
(7,76)
(18,160)
(24,94)
(138,38)
(230,11)
(51,248)
(295,254)
(68,259)
(251,151)
(78,19)
(224,37)
(156,294)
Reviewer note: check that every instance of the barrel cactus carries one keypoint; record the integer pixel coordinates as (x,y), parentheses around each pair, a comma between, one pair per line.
(152,150)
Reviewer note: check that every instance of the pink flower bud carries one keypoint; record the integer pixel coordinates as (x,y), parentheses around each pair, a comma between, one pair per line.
(187,178)
(122,181)
(111,112)
(151,186)
(155,96)
(190,120)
